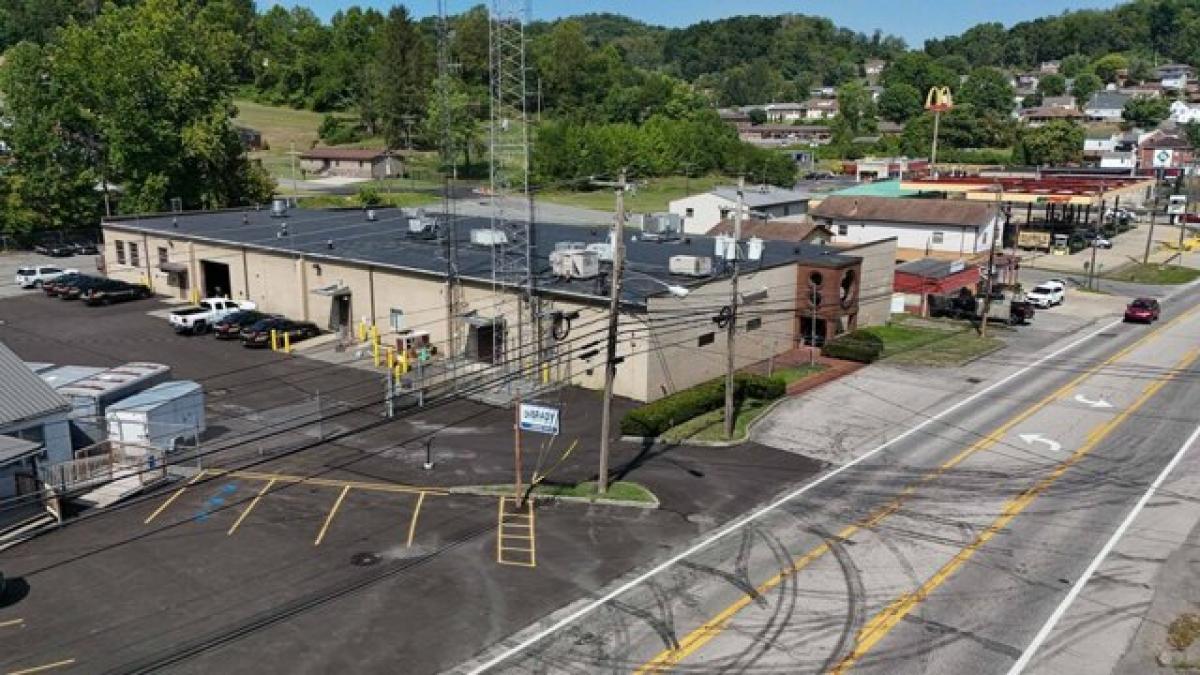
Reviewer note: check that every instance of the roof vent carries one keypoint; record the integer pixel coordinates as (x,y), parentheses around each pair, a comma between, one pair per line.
(371,215)
(279,208)
(283,231)
(329,244)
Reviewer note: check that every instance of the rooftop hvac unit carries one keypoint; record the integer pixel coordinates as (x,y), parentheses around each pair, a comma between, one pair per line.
(663,225)
(603,250)
(488,237)
(691,265)
(724,246)
(575,264)
(279,208)
(421,225)
(569,246)
(754,248)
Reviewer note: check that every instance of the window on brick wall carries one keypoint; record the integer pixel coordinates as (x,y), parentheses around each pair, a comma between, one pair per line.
(705,340)
(133,254)
(120,251)
(163,256)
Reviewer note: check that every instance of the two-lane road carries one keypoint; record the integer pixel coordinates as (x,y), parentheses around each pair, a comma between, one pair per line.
(943,551)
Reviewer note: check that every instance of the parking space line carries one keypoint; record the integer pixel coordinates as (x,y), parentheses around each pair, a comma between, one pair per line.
(42,668)
(250,506)
(332,513)
(12,623)
(412,524)
(327,482)
(529,557)
(173,497)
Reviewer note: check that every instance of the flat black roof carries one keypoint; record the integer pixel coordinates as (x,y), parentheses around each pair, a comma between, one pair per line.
(385,243)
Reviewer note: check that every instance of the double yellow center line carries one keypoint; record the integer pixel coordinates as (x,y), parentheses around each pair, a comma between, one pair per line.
(878,627)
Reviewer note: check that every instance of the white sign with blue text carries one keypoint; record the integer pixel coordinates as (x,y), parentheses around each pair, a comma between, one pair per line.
(541,419)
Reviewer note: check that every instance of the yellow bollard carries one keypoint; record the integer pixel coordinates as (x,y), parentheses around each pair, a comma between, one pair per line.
(374,334)
(287,343)
(545,373)
(396,372)
(362,331)
(375,353)
(391,358)
(274,340)
(404,362)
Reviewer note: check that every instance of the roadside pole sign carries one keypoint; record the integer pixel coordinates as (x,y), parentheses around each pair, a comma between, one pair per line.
(540,419)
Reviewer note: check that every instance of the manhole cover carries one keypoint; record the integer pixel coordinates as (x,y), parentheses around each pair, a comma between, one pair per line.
(974,380)
(364,559)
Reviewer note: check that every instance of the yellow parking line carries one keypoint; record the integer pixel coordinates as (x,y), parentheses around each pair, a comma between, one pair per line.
(332,513)
(412,524)
(173,497)
(499,519)
(883,623)
(326,482)
(40,669)
(12,622)
(250,506)
(710,629)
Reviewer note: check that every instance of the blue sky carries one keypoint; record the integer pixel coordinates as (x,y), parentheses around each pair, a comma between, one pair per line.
(914,20)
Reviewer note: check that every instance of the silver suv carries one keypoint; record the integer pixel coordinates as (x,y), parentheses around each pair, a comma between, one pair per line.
(34,277)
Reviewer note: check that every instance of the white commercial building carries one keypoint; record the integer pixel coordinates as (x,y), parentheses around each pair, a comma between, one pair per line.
(703,211)
(920,225)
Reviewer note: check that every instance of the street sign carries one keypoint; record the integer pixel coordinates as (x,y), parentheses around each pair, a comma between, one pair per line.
(1162,158)
(540,419)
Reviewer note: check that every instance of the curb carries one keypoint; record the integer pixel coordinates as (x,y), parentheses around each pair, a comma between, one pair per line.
(600,501)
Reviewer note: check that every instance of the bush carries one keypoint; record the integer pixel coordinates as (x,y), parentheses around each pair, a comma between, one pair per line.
(857,346)
(655,418)
(336,131)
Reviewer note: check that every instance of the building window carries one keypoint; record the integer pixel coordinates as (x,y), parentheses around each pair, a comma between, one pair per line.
(705,340)
(120,251)
(133,254)
(724,213)
(939,237)
(689,212)
(843,229)
(163,256)
(754,324)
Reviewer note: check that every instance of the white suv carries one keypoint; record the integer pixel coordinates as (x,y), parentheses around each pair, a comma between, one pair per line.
(1047,294)
(32,277)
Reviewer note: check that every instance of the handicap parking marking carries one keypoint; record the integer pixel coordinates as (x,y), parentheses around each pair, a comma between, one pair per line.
(215,503)
(173,497)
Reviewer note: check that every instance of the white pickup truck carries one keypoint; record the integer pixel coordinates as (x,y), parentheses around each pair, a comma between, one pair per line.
(201,318)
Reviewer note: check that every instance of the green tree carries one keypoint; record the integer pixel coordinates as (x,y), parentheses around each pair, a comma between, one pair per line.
(1059,142)
(1052,85)
(450,111)
(988,90)
(401,75)
(856,108)
(1106,67)
(1144,112)
(1074,65)
(757,116)
(1191,131)
(1086,84)
(918,70)
(900,103)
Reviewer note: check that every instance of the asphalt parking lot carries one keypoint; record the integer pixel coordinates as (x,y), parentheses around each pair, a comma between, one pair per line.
(11,261)
(328,545)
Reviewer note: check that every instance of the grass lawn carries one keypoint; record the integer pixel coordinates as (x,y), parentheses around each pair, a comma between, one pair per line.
(650,197)
(620,490)
(793,373)
(956,349)
(396,199)
(711,425)
(1153,274)
(899,338)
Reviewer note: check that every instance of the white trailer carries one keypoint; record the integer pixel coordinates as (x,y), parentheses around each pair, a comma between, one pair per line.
(164,417)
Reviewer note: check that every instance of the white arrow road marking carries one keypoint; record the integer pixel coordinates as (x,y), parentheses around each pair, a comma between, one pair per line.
(1030,439)
(1098,403)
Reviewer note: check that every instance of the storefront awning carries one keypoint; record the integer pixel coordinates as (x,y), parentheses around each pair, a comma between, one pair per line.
(173,267)
(332,291)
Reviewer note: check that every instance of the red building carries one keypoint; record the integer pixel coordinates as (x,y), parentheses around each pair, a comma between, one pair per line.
(919,279)
(1166,154)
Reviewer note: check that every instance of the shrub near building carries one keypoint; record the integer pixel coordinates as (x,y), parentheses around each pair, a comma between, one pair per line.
(655,418)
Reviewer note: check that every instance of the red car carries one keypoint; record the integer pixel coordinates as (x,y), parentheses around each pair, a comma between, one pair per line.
(1144,310)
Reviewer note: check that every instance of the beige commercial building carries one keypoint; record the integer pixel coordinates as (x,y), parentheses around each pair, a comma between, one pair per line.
(339,268)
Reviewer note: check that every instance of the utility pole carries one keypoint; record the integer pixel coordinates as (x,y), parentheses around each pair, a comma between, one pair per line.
(517,453)
(731,328)
(813,301)
(292,152)
(987,293)
(610,352)
(1150,234)
(1096,233)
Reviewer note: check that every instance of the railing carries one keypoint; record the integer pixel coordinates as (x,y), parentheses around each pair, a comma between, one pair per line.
(147,463)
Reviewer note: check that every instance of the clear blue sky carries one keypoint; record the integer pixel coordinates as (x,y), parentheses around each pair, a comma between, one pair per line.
(913,20)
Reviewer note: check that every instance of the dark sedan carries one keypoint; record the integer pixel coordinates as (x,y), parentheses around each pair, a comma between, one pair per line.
(231,327)
(114,291)
(259,334)
(56,287)
(76,289)
(1142,310)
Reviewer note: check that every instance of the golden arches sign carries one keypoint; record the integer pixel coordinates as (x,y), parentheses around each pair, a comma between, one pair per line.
(938,99)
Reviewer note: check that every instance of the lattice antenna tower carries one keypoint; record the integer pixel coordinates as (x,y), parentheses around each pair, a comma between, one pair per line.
(509,153)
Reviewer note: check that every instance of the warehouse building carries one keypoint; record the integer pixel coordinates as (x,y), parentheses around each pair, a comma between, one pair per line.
(389,268)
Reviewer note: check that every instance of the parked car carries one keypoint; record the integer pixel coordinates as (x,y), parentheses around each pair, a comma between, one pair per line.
(202,317)
(1047,294)
(1098,240)
(34,277)
(54,287)
(114,291)
(85,248)
(1143,310)
(259,334)
(230,328)
(76,289)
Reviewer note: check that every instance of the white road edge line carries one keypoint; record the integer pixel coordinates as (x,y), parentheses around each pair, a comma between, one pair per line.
(751,517)
(1061,610)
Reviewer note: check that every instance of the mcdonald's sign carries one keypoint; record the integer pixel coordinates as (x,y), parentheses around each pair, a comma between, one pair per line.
(938,99)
